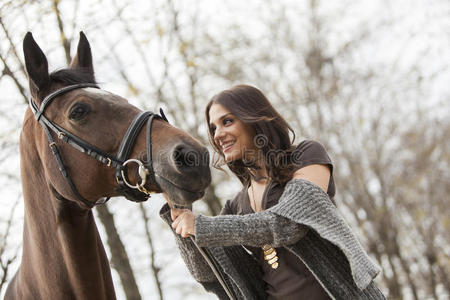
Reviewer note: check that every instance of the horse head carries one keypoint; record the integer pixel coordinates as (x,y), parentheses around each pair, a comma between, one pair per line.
(76,118)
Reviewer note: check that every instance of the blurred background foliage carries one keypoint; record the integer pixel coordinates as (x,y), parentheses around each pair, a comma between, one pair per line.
(367,80)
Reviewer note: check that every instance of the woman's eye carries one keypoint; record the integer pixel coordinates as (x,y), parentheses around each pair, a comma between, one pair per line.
(78,112)
(227,121)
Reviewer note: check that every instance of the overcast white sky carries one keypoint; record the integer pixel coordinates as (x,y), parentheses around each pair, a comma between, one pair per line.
(417,29)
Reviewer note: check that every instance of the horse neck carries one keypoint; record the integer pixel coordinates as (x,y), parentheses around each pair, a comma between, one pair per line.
(61,244)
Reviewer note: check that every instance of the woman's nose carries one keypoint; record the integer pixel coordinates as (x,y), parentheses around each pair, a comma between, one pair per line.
(218,134)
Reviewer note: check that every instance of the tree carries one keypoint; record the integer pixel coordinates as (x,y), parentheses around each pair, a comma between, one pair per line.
(6,259)
(353,76)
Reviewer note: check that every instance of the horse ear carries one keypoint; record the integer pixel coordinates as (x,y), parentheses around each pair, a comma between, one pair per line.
(36,64)
(83,58)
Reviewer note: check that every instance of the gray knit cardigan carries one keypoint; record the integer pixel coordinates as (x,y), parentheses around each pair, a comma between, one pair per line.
(305,222)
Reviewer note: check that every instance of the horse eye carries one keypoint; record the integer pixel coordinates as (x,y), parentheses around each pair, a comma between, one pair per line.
(79,111)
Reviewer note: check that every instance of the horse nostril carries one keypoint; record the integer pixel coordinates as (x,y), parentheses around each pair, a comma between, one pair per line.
(191,163)
(186,157)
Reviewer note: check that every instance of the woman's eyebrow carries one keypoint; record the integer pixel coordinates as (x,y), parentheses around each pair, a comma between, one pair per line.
(221,118)
(225,115)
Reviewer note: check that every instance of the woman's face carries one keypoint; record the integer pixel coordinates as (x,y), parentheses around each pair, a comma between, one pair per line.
(232,137)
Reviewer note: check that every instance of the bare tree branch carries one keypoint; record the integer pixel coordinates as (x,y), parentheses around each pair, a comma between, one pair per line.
(119,256)
(153,266)
(13,46)
(5,264)
(7,72)
(64,40)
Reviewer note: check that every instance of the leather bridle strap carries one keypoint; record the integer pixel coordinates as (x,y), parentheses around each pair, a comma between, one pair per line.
(47,100)
(128,143)
(65,135)
(63,170)
(79,144)
(149,162)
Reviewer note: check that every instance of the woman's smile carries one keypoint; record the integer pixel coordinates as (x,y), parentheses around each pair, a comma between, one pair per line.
(232,136)
(226,146)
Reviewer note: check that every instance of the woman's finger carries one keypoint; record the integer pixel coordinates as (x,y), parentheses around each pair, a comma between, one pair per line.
(175,212)
(184,223)
(184,233)
(178,225)
(179,229)
(172,214)
(176,222)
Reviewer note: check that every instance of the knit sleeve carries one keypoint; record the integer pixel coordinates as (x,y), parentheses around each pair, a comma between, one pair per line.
(194,261)
(306,203)
(255,229)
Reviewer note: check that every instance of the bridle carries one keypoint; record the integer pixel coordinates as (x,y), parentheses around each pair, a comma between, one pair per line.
(145,169)
(120,162)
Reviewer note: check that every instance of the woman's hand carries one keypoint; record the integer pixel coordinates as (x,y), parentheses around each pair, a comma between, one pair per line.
(183,221)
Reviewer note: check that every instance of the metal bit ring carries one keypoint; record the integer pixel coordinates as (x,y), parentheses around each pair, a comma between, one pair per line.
(142,171)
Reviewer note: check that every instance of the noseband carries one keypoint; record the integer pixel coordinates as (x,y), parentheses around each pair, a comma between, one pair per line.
(145,169)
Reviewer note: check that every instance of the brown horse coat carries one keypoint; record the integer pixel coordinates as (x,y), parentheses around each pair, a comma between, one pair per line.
(63,255)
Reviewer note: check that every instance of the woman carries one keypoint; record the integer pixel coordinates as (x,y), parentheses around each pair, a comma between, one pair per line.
(281,237)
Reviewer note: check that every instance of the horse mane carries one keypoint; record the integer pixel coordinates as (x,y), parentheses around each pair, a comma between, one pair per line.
(72,76)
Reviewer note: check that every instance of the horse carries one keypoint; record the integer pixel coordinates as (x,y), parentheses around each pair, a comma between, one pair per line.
(70,136)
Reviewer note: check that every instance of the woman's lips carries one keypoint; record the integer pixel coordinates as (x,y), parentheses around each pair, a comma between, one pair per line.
(228,147)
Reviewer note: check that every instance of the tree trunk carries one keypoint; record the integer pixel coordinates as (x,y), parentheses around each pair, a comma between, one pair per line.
(119,257)
(153,266)
(213,202)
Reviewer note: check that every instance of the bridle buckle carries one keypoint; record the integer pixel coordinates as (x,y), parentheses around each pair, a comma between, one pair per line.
(143,173)
(61,134)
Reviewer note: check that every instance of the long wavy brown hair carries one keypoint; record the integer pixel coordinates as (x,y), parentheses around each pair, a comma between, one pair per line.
(250,106)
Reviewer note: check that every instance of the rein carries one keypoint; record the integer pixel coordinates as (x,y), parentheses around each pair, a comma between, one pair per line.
(119,163)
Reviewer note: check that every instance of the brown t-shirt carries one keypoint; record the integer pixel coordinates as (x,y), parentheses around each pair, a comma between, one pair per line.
(292,279)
